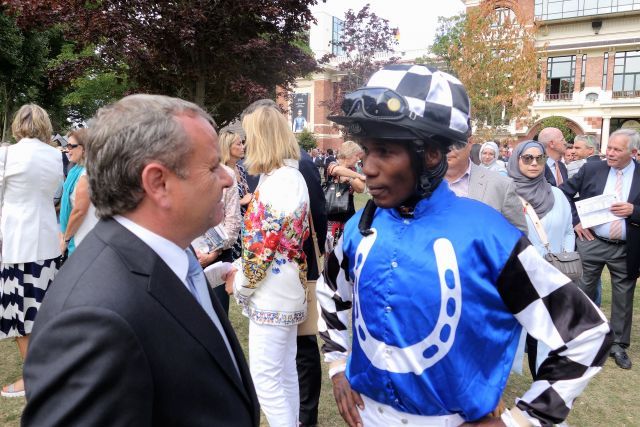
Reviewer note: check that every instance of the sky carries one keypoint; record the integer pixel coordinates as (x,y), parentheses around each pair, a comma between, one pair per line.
(417,19)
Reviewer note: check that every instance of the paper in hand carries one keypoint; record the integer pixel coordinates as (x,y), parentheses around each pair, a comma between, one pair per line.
(216,272)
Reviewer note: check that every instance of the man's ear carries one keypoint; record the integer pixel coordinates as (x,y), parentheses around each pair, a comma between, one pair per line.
(432,157)
(154,183)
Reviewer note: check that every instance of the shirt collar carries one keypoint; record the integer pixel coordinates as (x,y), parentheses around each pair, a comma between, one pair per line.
(174,256)
(627,169)
(466,173)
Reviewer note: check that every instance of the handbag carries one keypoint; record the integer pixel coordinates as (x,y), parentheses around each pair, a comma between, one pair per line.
(310,324)
(5,151)
(336,195)
(568,263)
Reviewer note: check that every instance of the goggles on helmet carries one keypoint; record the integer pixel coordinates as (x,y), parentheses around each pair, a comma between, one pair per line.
(376,102)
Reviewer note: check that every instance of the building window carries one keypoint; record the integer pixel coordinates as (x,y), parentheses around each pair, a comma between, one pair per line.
(605,67)
(561,72)
(584,72)
(626,74)
(502,16)
(338,28)
(560,9)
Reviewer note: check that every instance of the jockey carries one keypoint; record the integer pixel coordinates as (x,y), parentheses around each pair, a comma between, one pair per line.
(439,287)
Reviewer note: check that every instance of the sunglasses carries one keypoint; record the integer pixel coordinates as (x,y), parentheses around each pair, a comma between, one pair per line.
(72,146)
(528,158)
(376,102)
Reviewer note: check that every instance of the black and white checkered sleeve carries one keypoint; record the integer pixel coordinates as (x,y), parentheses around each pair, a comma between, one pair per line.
(555,311)
(334,291)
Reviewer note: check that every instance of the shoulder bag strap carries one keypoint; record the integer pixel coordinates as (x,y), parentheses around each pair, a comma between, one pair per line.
(314,237)
(536,222)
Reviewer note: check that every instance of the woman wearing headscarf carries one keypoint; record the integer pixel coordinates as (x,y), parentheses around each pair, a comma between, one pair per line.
(489,153)
(526,168)
(30,247)
(77,213)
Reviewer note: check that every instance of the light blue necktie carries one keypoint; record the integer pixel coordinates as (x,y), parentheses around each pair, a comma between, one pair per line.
(198,287)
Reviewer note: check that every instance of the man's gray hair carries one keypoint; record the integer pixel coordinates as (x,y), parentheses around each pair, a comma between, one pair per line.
(590,142)
(265,102)
(634,138)
(126,136)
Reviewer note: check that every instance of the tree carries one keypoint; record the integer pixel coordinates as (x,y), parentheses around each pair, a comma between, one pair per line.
(447,35)
(561,124)
(306,140)
(220,54)
(497,62)
(23,57)
(365,36)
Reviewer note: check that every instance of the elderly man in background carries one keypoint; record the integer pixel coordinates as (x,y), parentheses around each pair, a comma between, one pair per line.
(586,150)
(131,333)
(555,145)
(615,244)
(467,179)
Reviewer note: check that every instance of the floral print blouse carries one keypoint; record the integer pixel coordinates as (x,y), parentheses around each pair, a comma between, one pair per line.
(271,279)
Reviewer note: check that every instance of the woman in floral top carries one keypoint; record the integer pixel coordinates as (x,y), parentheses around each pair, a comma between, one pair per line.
(270,279)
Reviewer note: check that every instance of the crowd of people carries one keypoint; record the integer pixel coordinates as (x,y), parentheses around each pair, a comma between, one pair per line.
(425,299)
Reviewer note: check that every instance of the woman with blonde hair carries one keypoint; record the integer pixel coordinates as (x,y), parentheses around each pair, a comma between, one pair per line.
(31,175)
(340,172)
(77,213)
(231,152)
(270,279)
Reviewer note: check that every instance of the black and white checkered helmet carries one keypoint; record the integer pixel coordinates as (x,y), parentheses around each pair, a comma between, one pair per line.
(406,101)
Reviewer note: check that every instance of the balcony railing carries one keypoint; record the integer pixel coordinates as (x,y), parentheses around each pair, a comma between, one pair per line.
(625,94)
(558,96)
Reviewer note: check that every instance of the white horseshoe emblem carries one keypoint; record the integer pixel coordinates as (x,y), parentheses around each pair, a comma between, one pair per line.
(424,354)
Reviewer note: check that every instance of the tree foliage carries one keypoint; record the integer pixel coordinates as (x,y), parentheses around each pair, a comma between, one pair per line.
(497,62)
(561,124)
(220,54)
(448,35)
(306,140)
(367,41)
(23,58)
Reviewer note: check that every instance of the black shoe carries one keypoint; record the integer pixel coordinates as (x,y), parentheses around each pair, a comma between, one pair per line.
(621,358)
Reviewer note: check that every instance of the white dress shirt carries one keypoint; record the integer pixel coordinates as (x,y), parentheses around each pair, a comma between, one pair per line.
(604,230)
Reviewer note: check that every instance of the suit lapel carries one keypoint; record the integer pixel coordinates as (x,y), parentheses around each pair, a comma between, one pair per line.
(601,178)
(171,293)
(634,191)
(477,185)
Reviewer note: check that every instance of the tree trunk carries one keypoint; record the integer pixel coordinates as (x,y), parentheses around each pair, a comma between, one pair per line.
(200,90)
(5,112)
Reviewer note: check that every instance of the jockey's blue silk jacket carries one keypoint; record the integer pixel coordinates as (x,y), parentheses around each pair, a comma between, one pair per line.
(438,302)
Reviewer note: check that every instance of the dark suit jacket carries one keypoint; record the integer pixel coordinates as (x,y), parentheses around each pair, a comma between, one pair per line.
(590,181)
(594,158)
(318,209)
(551,175)
(120,341)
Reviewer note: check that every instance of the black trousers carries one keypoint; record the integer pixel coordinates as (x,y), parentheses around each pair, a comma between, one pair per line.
(219,291)
(309,378)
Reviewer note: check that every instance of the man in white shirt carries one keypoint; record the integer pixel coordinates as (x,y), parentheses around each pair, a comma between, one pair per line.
(469,180)
(554,143)
(130,333)
(616,243)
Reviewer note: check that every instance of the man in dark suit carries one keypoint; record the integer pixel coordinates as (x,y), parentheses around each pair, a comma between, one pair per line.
(554,143)
(617,243)
(130,333)
(308,356)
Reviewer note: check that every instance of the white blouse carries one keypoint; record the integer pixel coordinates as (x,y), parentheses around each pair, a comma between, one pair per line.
(271,280)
